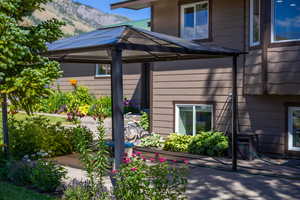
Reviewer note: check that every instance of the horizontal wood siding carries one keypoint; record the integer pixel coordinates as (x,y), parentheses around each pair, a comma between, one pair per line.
(101,86)
(210,80)
(284,70)
(196,80)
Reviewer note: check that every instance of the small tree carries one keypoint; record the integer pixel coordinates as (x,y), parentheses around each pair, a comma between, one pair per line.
(24,72)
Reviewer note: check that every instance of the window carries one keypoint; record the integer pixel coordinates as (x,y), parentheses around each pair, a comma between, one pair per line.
(102,70)
(285,20)
(192,119)
(294,129)
(254,22)
(195,21)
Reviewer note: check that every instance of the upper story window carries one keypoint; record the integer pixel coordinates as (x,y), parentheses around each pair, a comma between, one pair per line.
(102,70)
(285,20)
(195,21)
(254,22)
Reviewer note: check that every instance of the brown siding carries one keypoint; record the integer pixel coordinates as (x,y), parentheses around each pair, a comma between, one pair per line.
(197,80)
(100,86)
(284,70)
(210,80)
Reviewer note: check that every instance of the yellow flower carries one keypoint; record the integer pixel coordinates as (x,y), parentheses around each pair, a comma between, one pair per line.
(84,109)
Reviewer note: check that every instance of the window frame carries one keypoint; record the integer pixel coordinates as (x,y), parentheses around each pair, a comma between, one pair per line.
(101,75)
(176,117)
(186,3)
(251,23)
(290,129)
(272,39)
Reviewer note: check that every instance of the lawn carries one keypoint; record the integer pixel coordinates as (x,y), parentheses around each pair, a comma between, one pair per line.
(11,192)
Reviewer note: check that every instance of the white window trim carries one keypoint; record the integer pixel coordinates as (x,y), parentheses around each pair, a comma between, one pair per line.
(272,27)
(290,129)
(100,75)
(182,18)
(252,23)
(194,116)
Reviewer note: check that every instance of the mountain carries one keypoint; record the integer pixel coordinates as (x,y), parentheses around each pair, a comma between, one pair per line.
(78,17)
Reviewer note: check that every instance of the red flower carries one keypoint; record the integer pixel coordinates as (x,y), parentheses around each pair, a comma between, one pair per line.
(156,154)
(133,169)
(114,171)
(174,161)
(152,159)
(138,153)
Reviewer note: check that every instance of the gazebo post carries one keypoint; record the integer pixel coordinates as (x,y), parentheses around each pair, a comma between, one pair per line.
(117,106)
(234,113)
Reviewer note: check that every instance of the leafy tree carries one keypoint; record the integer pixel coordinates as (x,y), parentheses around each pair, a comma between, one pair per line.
(24,72)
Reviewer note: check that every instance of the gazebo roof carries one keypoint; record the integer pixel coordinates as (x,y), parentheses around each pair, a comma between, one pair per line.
(138,45)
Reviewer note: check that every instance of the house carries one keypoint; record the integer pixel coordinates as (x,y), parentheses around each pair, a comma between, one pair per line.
(96,77)
(189,96)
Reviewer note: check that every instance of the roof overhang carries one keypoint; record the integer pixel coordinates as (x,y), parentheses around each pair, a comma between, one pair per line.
(137,45)
(133,4)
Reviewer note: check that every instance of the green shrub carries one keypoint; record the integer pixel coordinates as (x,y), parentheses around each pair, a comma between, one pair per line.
(43,175)
(144,123)
(153,140)
(17,172)
(36,133)
(101,108)
(46,175)
(79,97)
(209,143)
(80,133)
(54,103)
(177,142)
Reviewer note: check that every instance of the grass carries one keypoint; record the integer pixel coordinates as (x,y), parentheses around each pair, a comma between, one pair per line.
(12,192)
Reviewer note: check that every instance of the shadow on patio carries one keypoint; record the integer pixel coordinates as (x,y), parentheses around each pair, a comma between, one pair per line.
(206,183)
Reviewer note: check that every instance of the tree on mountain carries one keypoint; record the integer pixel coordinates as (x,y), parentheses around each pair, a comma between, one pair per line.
(24,72)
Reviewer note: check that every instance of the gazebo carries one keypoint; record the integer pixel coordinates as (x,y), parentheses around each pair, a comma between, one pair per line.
(126,44)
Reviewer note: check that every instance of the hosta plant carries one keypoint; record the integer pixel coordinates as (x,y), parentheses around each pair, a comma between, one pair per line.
(153,140)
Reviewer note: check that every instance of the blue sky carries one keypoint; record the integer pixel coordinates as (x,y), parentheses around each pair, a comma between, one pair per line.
(104,5)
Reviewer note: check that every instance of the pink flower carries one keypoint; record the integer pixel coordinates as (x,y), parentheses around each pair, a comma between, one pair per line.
(114,171)
(138,153)
(174,161)
(126,160)
(152,159)
(133,154)
(162,160)
(133,169)
(186,161)
(156,154)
